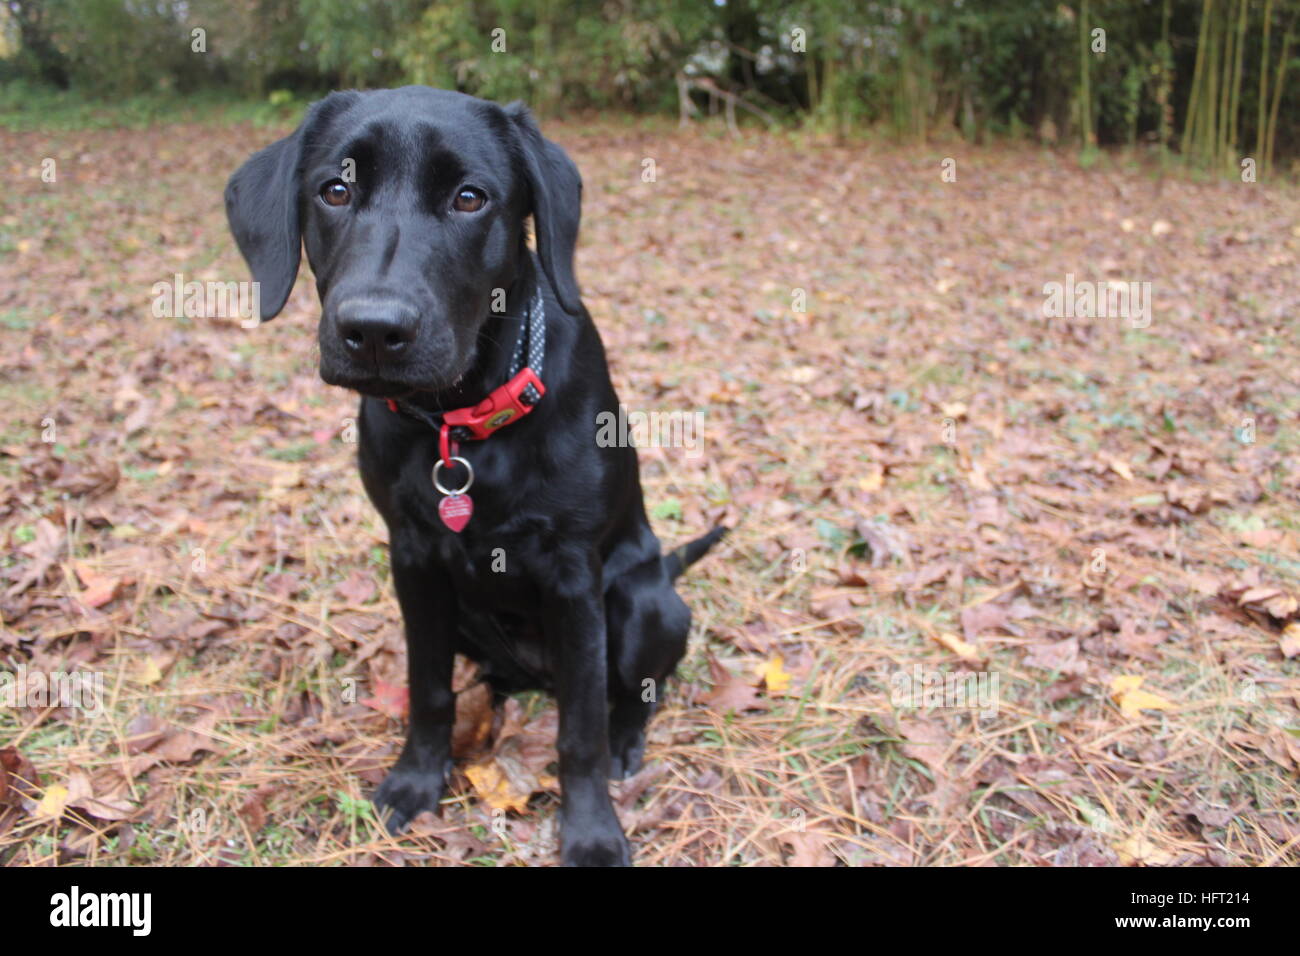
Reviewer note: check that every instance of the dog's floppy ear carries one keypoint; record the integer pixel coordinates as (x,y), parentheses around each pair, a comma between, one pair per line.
(262,208)
(557,205)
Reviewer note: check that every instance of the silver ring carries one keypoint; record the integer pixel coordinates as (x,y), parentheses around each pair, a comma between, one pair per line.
(469,479)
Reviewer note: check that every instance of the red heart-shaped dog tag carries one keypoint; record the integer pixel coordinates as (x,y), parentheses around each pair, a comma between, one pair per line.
(455,511)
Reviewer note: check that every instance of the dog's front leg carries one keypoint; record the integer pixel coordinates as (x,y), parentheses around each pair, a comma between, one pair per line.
(574,623)
(428,605)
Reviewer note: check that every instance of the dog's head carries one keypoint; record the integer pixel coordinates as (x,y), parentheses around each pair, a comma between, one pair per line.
(411,204)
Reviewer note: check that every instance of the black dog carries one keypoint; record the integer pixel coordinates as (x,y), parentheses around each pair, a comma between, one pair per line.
(412,206)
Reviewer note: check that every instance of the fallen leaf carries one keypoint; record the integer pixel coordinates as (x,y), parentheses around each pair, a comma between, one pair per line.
(1140,851)
(53,803)
(89,478)
(994,615)
(18,781)
(874,479)
(1290,642)
(180,745)
(967,652)
(473,723)
(1057,656)
(810,848)
(501,783)
(1282,748)
(98,589)
(773,675)
(44,551)
(1258,595)
(1120,468)
(1132,700)
(391,700)
(358,588)
(149,672)
(142,733)
(926,740)
(253,809)
(730,693)
(81,795)
(979,478)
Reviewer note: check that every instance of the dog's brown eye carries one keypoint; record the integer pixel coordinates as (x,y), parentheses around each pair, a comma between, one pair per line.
(470,199)
(336,193)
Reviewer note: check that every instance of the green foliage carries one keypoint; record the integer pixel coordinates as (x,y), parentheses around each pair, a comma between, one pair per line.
(114,48)
(25,106)
(355,39)
(552,54)
(918,68)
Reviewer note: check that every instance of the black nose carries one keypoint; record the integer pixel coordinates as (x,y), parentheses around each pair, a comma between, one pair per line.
(377,333)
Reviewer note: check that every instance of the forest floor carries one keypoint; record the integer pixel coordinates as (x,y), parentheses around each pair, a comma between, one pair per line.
(1080,537)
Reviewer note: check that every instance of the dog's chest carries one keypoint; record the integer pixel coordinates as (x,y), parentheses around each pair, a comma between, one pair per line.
(492,562)
(512,545)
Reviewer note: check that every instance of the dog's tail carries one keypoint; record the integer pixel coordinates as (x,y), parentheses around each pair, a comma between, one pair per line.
(681,558)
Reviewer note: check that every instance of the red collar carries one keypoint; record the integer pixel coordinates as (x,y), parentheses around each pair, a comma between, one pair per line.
(503,406)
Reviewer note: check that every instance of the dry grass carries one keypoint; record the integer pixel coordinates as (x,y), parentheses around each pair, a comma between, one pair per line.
(919,458)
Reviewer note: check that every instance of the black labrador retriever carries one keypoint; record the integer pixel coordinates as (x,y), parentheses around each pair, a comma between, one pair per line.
(479,368)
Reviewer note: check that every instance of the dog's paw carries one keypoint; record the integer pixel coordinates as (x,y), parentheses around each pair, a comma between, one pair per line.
(406,792)
(607,850)
(590,834)
(626,752)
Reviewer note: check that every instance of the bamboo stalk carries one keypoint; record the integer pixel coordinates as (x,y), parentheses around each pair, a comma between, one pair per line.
(1085,90)
(1234,102)
(1210,134)
(1194,119)
(1261,109)
(1162,91)
(1277,92)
